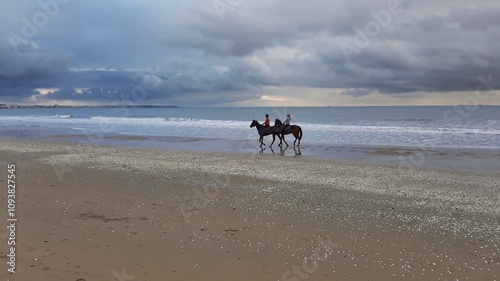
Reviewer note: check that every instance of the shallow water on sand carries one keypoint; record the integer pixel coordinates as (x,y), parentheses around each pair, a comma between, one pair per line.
(403,136)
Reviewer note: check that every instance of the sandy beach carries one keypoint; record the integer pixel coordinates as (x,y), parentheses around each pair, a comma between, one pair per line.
(113,213)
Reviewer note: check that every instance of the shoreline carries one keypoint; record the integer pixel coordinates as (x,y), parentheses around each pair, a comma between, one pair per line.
(95,212)
(462,159)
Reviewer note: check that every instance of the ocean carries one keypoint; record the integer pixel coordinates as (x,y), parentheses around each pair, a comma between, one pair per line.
(421,126)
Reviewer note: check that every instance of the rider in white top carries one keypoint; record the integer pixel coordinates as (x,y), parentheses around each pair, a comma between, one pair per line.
(288,120)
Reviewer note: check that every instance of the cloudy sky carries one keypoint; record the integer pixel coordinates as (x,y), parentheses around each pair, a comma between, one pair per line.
(249,52)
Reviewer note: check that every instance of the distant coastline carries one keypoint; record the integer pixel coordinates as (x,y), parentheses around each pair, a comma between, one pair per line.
(16,106)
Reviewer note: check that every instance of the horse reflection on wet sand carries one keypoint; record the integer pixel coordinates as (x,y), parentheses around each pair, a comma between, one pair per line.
(296,150)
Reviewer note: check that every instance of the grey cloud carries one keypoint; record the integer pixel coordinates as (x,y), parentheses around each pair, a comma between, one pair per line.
(29,67)
(429,46)
(356,92)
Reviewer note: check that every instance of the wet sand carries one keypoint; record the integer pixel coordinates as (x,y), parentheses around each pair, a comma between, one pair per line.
(465,159)
(112,213)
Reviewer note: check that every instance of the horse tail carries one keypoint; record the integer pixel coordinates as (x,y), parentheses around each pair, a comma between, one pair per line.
(300,133)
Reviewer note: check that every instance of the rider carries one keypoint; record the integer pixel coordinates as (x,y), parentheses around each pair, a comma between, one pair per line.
(286,124)
(267,123)
(288,120)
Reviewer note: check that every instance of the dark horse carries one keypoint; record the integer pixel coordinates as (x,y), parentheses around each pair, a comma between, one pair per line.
(264,131)
(292,129)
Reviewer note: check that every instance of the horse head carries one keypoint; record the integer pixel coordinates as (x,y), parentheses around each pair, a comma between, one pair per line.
(254,123)
(277,122)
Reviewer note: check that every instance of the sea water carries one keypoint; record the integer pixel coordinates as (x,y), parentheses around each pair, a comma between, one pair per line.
(432,126)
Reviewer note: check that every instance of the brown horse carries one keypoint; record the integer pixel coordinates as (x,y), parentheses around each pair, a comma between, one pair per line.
(295,130)
(264,131)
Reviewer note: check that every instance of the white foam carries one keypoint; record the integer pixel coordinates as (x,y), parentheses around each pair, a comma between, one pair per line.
(398,129)
(378,133)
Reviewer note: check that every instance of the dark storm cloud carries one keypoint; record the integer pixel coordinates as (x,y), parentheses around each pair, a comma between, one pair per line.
(422,46)
(29,67)
(382,46)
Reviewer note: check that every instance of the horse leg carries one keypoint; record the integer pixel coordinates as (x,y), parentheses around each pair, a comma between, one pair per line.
(274,138)
(281,141)
(283,137)
(299,135)
(261,142)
